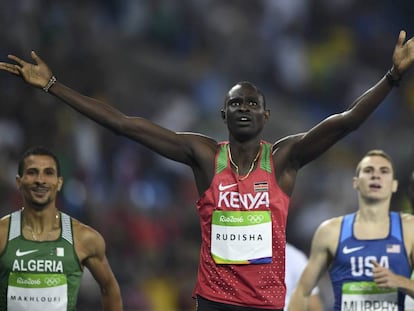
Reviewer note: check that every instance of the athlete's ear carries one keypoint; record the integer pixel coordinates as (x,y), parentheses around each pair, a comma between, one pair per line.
(355,183)
(18,181)
(223,114)
(394,185)
(60,183)
(267,114)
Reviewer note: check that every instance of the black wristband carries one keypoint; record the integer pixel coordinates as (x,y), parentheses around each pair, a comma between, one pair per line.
(49,84)
(391,81)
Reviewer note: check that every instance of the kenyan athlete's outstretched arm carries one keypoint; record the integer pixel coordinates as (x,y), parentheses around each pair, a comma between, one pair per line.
(176,146)
(321,137)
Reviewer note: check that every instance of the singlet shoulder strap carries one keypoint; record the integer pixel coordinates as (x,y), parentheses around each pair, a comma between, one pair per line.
(348,221)
(222,157)
(396,226)
(266,157)
(347,225)
(15,225)
(66,227)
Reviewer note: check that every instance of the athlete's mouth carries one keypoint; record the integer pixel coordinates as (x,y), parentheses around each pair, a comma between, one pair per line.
(375,186)
(40,189)
(244,118)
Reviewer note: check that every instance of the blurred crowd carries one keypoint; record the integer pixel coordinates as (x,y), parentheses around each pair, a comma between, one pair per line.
(172,62)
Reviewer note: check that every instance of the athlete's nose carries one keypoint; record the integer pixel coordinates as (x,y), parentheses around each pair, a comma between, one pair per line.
(244,105)
(375,174)
(40,178)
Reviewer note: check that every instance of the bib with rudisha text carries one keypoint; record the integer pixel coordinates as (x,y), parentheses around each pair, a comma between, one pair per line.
(241,237)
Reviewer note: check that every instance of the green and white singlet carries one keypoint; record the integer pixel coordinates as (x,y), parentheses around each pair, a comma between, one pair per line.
(39,275)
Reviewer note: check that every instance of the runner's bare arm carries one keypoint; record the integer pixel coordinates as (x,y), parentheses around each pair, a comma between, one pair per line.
(323,243)
(173,145)
(4,229)
(92,253)
(330,130)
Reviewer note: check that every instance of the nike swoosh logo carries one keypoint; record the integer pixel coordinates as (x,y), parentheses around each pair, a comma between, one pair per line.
(347,250)
(222,188)
(20,253)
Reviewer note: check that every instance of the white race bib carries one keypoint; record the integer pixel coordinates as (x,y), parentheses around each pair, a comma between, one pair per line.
(362,296)
(37,292)
(241,237)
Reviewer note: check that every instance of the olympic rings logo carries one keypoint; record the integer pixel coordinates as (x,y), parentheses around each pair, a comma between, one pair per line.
(255,219)
(52,281)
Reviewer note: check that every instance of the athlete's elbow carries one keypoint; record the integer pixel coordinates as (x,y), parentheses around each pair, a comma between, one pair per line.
(350,125)
(122,126)
(353,126)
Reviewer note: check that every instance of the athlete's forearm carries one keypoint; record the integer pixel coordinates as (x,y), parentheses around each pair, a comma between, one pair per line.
(298,302)
(364,105)
(406,285)
(94,109)
(111,297)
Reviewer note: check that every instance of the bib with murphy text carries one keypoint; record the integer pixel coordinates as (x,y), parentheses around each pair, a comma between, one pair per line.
(361,296)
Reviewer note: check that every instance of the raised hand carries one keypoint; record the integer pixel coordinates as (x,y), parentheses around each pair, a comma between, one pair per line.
(37,75)
(403,55)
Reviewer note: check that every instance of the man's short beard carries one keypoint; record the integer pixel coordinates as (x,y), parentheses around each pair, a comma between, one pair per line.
(40,206)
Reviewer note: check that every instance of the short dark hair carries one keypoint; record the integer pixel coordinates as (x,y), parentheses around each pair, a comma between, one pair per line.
(38,150)
(375,152)
(249,85)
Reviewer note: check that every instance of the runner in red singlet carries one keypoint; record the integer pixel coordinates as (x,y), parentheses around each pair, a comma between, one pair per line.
(244,184)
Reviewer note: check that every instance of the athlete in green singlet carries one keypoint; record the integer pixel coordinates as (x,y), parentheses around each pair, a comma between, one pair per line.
(43,251)
(232,285)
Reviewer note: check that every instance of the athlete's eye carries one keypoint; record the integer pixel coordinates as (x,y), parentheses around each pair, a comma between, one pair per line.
(252,103)
(50,171)
(31,172)
(234,103)
(367,170)
(385,170)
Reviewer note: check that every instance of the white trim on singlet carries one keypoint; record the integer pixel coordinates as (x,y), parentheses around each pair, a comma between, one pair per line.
(66,228)
(15,226)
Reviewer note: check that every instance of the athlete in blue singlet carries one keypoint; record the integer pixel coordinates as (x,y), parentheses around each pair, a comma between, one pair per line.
(245,114)
(368,253)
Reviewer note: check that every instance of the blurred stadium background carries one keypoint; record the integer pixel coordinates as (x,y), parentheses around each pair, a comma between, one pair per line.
(172,62)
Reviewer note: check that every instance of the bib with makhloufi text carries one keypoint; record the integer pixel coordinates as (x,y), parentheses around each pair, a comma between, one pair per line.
(241,237)
(361,296)
(37,292)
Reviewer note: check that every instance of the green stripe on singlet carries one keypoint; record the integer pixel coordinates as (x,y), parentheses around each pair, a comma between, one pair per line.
(222,159)
(266,157)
